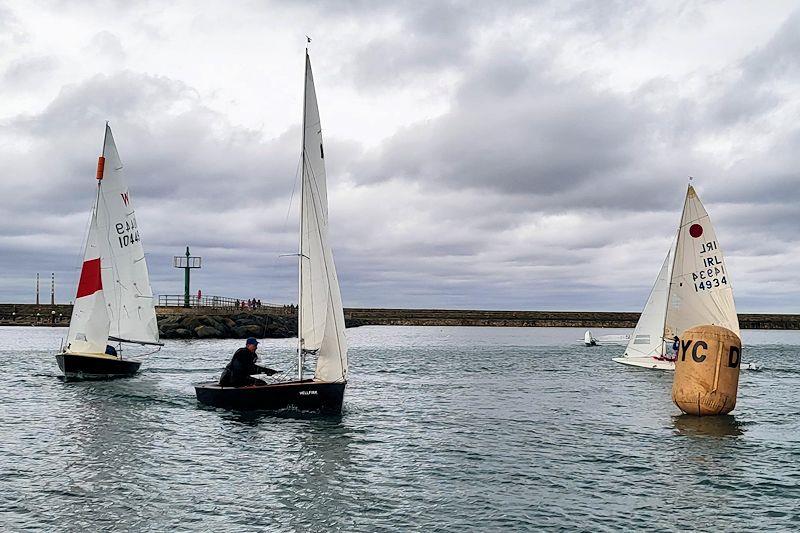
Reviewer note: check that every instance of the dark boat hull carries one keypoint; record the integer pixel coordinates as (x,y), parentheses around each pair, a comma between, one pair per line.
(306,395)
(79,366)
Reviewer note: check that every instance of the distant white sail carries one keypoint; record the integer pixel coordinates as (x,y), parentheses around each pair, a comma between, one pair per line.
(700,287)
(88,327)
(648,337)
(321,313)
(126,280)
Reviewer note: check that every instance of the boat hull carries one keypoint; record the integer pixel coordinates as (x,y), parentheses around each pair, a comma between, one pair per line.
(306,395)
(658,364)
(86,366)
(646,362)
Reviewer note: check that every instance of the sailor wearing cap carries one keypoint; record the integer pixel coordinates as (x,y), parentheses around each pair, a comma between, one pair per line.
(243,364)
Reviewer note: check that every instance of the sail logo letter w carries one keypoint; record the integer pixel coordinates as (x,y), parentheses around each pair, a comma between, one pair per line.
(91,281)
(124,198)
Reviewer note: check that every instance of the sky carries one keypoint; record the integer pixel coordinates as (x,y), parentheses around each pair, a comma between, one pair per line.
(489,155)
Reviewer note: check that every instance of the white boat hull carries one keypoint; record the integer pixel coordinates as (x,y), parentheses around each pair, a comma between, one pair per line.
(661,364)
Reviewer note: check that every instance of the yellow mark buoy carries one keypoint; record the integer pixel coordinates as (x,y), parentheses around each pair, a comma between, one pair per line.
(707,371)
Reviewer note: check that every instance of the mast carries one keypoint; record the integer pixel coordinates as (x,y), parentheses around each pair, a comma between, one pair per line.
(300,251)
(674,252)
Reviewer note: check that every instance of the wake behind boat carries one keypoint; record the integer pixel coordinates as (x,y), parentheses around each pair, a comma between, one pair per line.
(320,317)
(692,288)
(114,302)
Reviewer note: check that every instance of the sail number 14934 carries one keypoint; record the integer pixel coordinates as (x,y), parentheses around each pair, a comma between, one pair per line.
(712,275)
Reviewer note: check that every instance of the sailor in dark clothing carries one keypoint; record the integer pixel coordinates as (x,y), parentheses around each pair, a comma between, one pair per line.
(243,363)
(110,350)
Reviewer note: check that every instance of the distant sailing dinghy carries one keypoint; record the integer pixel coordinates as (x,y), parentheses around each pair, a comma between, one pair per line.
(693,288)
(320,315)
(114,302)
(588,339)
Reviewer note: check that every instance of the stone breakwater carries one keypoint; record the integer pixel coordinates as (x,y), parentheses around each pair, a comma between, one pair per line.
(283,322)
(235,326)
(203,323)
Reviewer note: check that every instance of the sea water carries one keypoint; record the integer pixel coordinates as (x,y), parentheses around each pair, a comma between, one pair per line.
(444,429)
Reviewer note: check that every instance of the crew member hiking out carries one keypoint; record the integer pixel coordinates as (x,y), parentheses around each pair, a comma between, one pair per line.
(243,364)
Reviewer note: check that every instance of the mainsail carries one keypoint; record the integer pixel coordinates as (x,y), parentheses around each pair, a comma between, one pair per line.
(114,300)
(128,294)
(321,317)
(700,286)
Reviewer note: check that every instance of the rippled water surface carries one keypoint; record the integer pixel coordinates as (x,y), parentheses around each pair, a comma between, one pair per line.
(446,429)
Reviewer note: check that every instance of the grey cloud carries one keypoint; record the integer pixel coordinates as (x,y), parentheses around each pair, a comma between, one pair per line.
(513,129)
(107,45)
(757,85)
(26,73)
(534,189)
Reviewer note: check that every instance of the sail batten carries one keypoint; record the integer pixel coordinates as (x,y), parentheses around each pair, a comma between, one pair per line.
(321,316)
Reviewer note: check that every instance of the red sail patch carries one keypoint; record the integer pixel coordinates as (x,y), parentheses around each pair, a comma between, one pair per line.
(91,281)
(696,230)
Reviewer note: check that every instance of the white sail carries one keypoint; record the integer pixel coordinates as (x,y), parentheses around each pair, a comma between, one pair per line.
(125,277)
(700,287)
(648,337)
(88,327)
(321,313)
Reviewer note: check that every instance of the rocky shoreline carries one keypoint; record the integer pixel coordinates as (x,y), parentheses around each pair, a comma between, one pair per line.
(234,326)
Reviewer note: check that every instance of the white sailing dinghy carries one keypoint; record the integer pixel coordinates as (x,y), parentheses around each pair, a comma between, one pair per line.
(693,288)
(114,302)
(588,339)
(320,315)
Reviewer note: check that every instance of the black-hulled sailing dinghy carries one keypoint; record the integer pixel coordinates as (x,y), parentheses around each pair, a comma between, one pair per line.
(320,317)
(114,302)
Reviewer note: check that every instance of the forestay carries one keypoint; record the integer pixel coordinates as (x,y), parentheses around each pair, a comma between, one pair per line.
(700,287)
(321,313)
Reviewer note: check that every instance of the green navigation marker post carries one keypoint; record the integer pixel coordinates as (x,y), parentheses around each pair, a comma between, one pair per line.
(187,263)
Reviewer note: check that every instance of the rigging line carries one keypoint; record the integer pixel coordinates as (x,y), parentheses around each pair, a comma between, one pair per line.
(80,259)
(294,186)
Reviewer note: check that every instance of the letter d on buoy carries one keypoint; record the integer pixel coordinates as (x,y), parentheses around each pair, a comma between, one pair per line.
(707,371)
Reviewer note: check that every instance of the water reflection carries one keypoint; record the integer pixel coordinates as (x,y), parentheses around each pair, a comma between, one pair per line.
(708,426)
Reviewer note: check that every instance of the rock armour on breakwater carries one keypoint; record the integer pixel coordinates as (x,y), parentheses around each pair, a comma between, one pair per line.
(235,326)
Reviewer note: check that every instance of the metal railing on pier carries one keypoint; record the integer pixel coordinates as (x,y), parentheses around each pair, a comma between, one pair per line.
(179,300)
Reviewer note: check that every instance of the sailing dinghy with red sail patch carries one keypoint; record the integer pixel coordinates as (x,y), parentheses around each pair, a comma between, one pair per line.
(114,303)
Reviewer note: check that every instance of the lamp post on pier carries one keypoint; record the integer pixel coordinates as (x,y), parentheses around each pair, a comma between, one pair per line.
(187,263)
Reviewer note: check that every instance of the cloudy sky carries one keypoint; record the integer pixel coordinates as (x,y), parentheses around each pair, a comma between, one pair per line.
(499,155)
